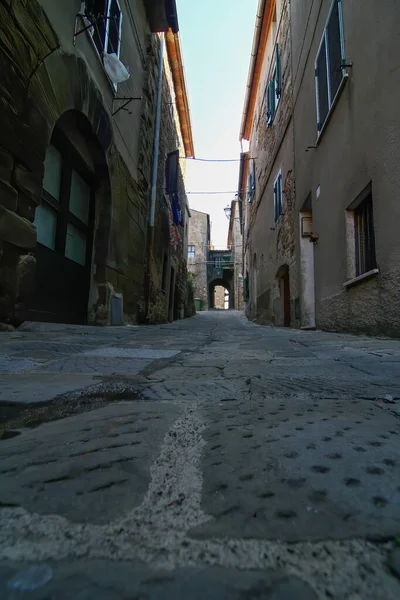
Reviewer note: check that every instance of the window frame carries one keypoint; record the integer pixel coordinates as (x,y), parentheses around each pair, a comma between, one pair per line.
(71,161)
(189,252)
(364,236)
(107,35)
(278,202)
(324,40)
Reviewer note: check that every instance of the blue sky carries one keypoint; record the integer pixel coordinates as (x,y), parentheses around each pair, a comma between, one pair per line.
(216,38)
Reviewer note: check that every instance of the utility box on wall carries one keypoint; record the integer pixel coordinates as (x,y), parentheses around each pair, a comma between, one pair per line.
(117,310)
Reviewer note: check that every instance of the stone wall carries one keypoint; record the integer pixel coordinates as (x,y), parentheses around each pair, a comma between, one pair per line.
(166,304)
(40,82)
(237,257)
(199,237)
(270,247)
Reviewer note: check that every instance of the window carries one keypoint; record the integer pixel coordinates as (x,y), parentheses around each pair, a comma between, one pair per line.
(274,88)
(191,251)
(330,70)
(106,16)
(251,181)
(172,172)
(364,236)
(278,209)
(63,219)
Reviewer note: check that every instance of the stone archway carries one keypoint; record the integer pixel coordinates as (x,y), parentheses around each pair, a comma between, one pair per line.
(59,85)
(220,283)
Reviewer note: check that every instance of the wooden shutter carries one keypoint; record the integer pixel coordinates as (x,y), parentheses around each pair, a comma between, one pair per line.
(321,78)
(278,77)
(171,172)
(270,102)
(334,50)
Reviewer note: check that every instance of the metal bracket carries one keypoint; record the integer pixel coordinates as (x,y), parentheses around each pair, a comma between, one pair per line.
(126,102)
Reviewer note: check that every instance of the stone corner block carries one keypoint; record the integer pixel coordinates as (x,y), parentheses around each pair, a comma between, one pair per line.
(6,165)
(8,196)
(16,230)
(30,183)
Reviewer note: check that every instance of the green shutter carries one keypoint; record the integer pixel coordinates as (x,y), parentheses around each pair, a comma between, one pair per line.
(278,71)
(270,102)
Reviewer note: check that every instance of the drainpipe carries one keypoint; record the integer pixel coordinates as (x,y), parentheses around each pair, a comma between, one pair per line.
(157,136)
(153,196)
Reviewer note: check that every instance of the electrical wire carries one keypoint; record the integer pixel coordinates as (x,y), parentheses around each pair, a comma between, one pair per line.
(210,193)
(218,160)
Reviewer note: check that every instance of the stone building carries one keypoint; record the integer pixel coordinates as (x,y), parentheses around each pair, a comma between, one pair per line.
(320,181)
(346,114)
(235,243)
(266,175)
(198,255)
(80,152)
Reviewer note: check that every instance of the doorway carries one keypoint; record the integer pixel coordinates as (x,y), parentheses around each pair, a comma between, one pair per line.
(171,295)
(64,223)
(284,317)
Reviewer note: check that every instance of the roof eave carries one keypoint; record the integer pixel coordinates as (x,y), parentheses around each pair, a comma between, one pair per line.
(182,103)
(263,22)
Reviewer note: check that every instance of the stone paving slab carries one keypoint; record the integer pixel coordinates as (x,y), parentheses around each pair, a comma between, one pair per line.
(39,387)
(141,353)
(297,469)
(98,365)
(102,580)
(89,468)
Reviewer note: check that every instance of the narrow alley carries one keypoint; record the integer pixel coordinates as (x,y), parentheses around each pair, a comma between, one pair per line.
(207,458)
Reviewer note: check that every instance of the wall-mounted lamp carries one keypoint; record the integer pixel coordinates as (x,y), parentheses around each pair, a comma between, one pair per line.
(228,211)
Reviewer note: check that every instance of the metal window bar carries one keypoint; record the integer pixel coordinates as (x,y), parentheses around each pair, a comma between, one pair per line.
(364,237)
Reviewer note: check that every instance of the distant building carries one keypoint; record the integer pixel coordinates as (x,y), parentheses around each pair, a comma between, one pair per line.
(235,243)
(198,256)
(85,230)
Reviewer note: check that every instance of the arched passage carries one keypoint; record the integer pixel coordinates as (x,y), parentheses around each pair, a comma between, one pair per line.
(217,300)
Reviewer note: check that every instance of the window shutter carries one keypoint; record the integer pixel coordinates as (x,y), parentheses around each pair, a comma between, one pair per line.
(253,178)
(171,172)
(275,201)
(250,186)
(334,50)
(280,207)
(321,77)
(268,104)
(278,82)
(271,102)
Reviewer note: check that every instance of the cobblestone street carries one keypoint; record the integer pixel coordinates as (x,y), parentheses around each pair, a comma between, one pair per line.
(208,458)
